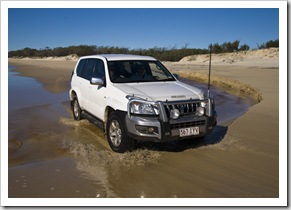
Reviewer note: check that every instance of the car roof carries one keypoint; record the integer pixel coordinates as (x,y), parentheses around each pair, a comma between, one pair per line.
(115,57)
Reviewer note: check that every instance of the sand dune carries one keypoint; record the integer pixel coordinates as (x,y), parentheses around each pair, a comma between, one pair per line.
(262,58)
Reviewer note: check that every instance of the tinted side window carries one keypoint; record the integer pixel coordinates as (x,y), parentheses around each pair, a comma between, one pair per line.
(88,70)
(99,70)
(81,67)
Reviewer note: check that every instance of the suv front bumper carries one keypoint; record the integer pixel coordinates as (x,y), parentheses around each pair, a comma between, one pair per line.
(149,128)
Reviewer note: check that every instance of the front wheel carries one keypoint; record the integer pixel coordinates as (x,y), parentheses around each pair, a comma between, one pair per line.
(116,134)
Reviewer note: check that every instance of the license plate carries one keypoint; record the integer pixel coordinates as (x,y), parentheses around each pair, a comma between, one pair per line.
(189,131)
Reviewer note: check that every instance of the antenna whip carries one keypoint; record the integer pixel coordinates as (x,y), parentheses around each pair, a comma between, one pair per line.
(210,51)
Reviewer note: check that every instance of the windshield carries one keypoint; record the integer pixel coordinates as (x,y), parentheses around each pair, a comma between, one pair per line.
(138,71)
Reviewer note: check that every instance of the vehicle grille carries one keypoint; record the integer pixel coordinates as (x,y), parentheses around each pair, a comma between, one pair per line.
(184,108)
(187,124)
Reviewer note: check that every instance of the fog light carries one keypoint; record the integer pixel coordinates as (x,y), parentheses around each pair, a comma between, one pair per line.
(141,129)
(151,129)
(174,114)
(147,129)
(200,111)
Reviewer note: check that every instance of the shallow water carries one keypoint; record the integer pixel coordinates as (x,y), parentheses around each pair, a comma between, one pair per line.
(26,92)
(228,106)
(44,138)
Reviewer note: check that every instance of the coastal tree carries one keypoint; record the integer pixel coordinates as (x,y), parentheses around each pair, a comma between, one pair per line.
(269,44)
(161,53)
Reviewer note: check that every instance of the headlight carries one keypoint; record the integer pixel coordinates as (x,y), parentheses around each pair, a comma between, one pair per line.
(203,104)
(200,111)
(174,114)
(142,107)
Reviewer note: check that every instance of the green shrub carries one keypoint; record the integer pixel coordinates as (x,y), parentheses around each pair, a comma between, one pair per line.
(269,44)
(161,53)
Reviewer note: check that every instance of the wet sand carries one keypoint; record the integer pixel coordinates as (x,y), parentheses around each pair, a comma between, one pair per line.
(240,161)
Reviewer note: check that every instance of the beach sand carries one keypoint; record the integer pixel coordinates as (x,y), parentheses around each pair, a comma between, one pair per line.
(243,163)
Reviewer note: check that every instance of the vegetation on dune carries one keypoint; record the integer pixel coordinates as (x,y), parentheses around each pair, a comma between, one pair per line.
(169,54)
(229,47)
(269,44)
(161,53)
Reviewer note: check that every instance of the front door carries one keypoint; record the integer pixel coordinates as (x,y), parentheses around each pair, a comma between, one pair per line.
(95,94)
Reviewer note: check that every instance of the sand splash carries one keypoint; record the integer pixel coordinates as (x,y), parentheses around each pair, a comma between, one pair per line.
(92,154)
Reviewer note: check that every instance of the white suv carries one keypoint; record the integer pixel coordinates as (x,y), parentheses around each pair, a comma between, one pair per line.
(135,98)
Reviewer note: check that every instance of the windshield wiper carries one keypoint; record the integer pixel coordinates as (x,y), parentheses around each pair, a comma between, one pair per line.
(165,80)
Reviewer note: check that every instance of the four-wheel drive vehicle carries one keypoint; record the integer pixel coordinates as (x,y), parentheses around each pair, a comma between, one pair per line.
(135,98)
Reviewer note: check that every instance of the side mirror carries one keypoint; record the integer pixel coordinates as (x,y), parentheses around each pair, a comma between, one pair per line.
(96,81)
(176,76)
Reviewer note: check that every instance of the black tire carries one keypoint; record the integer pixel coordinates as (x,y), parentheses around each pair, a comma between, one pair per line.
(76,109)
(116,133)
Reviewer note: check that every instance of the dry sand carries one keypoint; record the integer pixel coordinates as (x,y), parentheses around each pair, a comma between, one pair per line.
(244,164)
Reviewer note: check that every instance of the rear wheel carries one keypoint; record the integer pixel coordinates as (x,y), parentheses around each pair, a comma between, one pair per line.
(116,134)
(76,109)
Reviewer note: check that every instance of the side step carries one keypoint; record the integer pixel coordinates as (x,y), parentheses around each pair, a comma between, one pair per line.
(93,120)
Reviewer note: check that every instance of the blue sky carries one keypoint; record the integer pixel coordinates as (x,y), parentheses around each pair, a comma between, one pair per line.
(140,27)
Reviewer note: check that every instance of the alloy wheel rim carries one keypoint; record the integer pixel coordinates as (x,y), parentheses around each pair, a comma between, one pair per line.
(115,133)
(76,109)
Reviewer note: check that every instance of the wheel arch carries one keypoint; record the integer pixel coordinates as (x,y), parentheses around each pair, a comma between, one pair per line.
(127,143)
(76,93)
(72,94)
(108,111)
